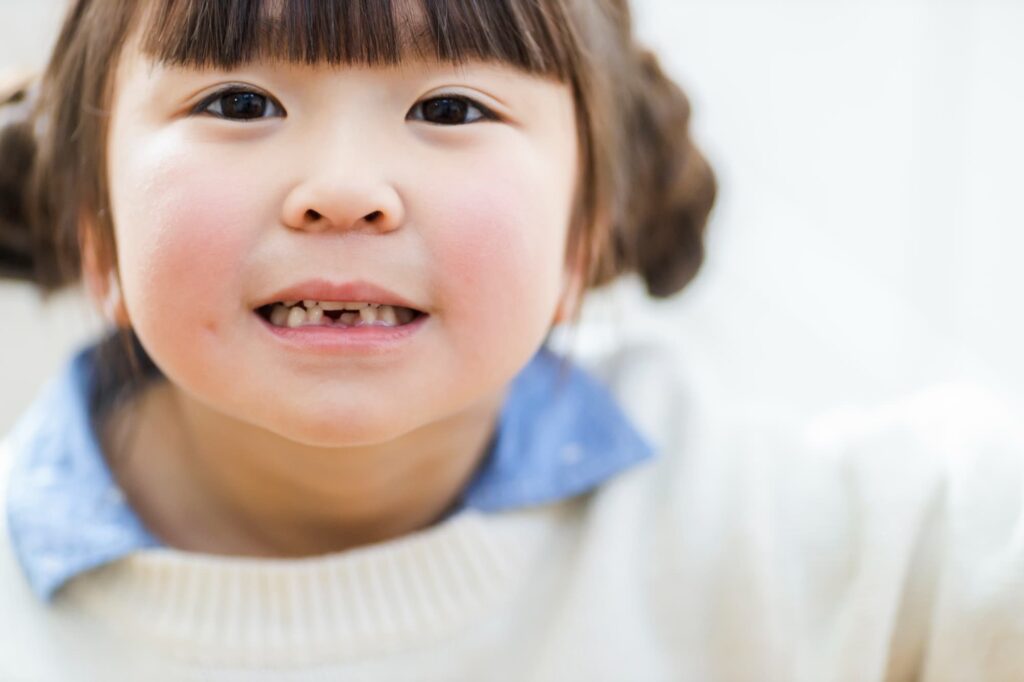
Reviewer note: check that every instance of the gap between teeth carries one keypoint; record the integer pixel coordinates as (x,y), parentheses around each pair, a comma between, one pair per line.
(311,313)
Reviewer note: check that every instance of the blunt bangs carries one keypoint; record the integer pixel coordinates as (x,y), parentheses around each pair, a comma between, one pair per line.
(530,35)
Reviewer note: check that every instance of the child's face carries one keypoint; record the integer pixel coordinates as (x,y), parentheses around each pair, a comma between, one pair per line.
(213,217)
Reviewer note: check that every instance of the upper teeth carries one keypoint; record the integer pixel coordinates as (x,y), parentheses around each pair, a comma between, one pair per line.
(336,305)
(290,314)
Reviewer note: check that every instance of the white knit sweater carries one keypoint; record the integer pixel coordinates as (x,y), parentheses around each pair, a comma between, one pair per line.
(882,544)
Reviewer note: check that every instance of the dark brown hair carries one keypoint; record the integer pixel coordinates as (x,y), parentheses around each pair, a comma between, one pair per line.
(644,191)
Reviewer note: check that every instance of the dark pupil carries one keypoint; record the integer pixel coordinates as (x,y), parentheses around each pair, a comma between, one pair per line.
(243,105)
(444,110)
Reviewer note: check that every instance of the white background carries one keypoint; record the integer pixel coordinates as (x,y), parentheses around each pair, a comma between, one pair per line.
(870,220)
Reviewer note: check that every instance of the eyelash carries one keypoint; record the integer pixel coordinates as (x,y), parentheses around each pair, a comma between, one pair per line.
(203,108)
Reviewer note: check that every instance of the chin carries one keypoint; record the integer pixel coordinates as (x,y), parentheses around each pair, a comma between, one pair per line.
(339,429)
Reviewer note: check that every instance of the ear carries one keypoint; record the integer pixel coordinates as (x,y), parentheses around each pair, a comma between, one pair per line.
(100,277)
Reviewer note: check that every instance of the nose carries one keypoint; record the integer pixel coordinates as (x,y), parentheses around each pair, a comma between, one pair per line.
(341,198)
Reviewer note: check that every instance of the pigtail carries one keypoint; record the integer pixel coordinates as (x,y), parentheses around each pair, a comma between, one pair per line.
(18,254)
(671,187)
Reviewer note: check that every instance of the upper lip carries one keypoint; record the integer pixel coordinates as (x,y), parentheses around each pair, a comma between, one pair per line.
(324,290)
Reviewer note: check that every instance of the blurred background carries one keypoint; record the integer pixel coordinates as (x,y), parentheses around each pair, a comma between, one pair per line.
(870,220)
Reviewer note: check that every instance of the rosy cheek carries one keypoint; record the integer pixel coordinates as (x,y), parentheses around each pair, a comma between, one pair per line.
(181,242)
(499,248)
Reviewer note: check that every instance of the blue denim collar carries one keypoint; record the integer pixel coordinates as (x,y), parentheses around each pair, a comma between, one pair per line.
(559,435)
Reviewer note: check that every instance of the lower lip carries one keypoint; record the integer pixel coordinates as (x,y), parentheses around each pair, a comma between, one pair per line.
(338,339)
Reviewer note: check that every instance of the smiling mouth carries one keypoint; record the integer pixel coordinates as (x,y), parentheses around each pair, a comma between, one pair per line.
(342,314)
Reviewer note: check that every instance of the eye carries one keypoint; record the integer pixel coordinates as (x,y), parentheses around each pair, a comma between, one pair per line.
(450,110)
(240,104)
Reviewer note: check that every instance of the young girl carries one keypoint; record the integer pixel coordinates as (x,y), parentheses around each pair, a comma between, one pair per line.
(329,437)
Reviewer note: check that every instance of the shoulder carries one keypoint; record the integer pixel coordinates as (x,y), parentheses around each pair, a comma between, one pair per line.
(896,526)
(677,387)
(966,438)
(957,439)
(943,452)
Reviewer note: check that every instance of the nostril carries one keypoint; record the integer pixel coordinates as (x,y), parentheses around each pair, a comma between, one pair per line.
(313,216)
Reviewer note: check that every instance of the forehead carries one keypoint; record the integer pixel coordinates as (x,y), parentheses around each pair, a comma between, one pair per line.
(531,35)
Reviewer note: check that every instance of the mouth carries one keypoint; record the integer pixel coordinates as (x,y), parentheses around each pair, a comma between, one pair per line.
(341,314)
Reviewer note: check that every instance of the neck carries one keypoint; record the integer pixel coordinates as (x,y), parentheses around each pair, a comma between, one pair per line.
(214,484)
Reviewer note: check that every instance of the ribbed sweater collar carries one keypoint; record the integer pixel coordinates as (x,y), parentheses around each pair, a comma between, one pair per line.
(373,600)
